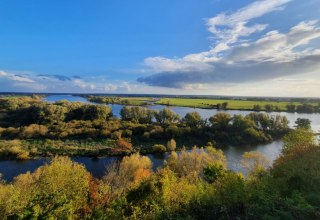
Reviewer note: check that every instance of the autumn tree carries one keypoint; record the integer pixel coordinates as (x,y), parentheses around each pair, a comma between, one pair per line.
(254,161)
(171,145)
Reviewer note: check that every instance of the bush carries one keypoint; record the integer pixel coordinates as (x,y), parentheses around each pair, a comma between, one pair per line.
(159,148)
(123,145)
(171,145)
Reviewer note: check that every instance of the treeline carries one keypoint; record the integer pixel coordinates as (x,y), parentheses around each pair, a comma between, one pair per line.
(104,99)
(192,185)
(138,130)
(304,108)
(116,100)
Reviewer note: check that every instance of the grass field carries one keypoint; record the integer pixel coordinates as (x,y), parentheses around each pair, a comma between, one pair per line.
(232,104)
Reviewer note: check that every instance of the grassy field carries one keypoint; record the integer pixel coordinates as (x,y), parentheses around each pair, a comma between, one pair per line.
(232,104)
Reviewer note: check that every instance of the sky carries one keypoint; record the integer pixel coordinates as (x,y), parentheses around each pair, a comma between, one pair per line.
(190,47)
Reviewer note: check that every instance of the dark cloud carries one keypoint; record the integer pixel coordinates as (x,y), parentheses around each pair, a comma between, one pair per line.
(234,73)
(59,77)
(62,78)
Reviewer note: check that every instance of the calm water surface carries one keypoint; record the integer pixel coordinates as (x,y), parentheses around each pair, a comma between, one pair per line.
(97,166)
(70,98)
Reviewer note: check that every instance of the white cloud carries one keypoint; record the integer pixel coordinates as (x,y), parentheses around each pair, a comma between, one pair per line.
(15,77)
(279,47)
(236,58)
(32,82)
(228,28)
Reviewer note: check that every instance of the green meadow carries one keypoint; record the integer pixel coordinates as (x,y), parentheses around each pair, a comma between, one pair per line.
(232,104)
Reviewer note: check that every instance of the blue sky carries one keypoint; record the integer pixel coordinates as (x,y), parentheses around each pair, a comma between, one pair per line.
(220,47)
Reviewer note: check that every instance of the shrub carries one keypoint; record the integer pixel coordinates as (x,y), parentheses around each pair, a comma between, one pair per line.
(159,148)
(116,135)
(123,144)
(171,145)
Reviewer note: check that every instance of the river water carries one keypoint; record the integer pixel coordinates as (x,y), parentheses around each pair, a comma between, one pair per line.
(97,166)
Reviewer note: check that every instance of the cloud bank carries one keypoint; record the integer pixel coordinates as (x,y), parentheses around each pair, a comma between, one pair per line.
(23,81)
(235,58)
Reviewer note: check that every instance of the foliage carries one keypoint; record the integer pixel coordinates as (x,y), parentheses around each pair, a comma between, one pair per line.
(139,128)
(166,116)
(57,190)
(171,145)
(192,185)
(159,148)
(254,162)
(137,113)
(193,119)
(191,164)
(298,137)
(303,123)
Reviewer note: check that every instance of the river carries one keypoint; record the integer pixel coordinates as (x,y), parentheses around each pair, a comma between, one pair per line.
(97,166)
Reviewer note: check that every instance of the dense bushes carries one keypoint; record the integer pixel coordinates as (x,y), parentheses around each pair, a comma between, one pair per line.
(59,190)
(31,119)
(191,185)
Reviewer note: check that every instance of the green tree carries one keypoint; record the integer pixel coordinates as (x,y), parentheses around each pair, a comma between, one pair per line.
(58,190)
(298,137)
(192,119)
(303,123)
(166,116)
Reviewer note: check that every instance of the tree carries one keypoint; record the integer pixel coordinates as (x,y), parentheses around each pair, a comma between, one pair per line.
(34,131)
(129,172)
(192,119)
(224,105)
(171,145)
(47,114)
(291,107)
(212,172)
(58,190)
(298,137)
(192,163)
(125,113)
(220,121)
(254,162)
(303,123)
(166,116)
(256,107)
(297,169)
(96,112)
(136,113)
(269,107)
